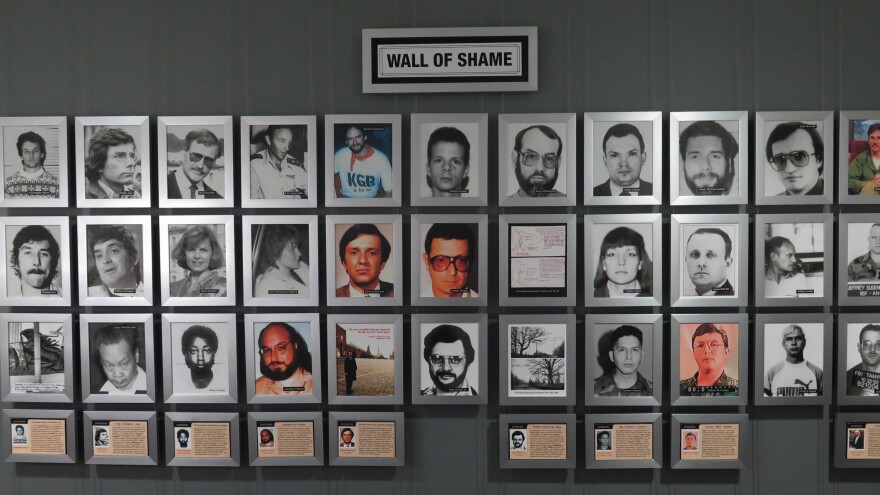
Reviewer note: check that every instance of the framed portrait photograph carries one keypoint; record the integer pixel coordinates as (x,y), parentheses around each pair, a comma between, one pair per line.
(38,361)
(283,157)
(543,159)
(859,259)
(280,260)
(858,359)
(121,438)
(202,439)
(285,438)
(858,146)
(115,260)
(624,441)
(708,156)
(711,441)
(449,260)
(790,158)
(199,358)
(537,264)
(197,260)
(449,359)
(792,354)
(537,360)
(41,436)
(365,365)
(34,161)
(537,441)
(623,260)
(796,257)
(624,360)
(283,358)
(856,437)
(623,158)
(192,162)
(362,160)
(109,154)
(709,260)
(36,267)
(364,260)
(710,356)
(367,438)
(454,149)
(118,358)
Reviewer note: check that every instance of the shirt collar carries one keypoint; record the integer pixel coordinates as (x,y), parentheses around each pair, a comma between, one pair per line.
(184,184)
(616,190)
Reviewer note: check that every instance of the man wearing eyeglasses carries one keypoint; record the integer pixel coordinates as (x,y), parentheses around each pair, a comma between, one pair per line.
(361,171)
(536,157)
(864,170)
(711,352)
(200,154)
(863,379)
(795,151)
(448,258)
(708,158)
(783,275)
(449,354)
(285,361)
(795,376)
(624,156)
(110,163)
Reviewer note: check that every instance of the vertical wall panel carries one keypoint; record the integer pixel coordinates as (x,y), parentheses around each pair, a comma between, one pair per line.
(857,60)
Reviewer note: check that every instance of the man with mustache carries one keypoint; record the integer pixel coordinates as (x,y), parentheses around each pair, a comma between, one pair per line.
(35,257)
(863,379)
(449,353)
(795,150)
(708,257)
(626,354)
(536,157)
(117,262)
(285,361)
(110,164)
(518,440)
(361,171)
(708,158)
(277,172)
(864,170)
(795,376)
(624,156)
(448,259)
(201,150)
(783,276)
(711,352)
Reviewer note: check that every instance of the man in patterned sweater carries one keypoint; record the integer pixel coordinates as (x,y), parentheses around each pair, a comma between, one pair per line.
(32,181)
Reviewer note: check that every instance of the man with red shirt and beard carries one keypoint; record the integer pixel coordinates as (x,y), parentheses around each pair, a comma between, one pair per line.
(285,361)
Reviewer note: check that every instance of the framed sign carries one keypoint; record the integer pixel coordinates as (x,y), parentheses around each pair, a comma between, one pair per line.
(285,438)
(121,438)
(449,356)
(38,362)
(118,359)
(710,441)
(38,436)
(280,260)
(364,260)
(624,441)
(202,439)
(283,363)
(536,441)
(856,437)
(367,439)
(192,162)
(858,269)
(34,161)
(36,265)
(197,260)
(199,356)
(365,362)
(537,262)
(115,260)
(109,157)
(449,260)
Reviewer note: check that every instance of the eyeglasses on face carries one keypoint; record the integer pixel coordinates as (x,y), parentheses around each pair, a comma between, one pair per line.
(707,346)
(437,360)
(279,348)
(441,263)
(797,158)
(870,346)
(530,158)
(197,157)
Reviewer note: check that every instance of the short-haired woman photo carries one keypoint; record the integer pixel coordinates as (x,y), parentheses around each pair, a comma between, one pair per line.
(280,267)
(201,255)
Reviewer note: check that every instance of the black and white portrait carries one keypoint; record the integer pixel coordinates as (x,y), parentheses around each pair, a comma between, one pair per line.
(622,357)
(200,357)
(537,166)
(605,440)
(36,357)
(449,261)
(447,151)
(519,439)
(709,157)
(537,360)
(793,158)
(20,433)
(112,159)
(709,256)
(197,260)
(101,436)
(793,359)
(32,162)
(117,356)
(35,261)
(280,260)
(862,359)
(114,260)
(196,162)
(863,259)
(279,160)
(623,159)
(623,264)
(793,260)
(449,364)
(183,437)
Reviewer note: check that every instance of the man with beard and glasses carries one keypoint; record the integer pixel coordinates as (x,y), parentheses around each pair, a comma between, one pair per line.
(449,354)
(32,181)
(285,361)
(863,379)
(626,354)
(624,156)
(277,172)
(35,257)
(708,158)
(199,345)
(537,153)
(361,171)
(795,376)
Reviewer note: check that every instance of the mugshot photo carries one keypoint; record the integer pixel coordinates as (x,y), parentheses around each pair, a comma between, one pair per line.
(183,438)
(36,357)
(519,439)
(863,157)
(862,359)
(863,258)
(537,360)
(364,265)
(537,167)
(365,360)
(197,260)
(449,262)
(266,437)
(36,262)
(709,260)
(117,358)
(113,169)
(114,260)
(279,160)
(690,439)
(196,161)
(709,158)
(709,359)
(793,359)
(623,159)
(623,260)
(20,433)
(283,359)
(280,255)
(347,436)
(622,357)
(200,358)
(793,259)
(362,160)
(604,440)
(450,363)
(792,155)
(33,162)
(447,151)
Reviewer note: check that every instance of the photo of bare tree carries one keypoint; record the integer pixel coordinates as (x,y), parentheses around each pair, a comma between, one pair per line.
(537,360)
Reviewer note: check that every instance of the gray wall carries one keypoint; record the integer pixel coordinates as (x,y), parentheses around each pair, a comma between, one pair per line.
(264,57)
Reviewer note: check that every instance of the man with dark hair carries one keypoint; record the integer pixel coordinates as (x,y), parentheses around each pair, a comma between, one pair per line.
(347,437)
(603,440)
(536,157)
(285,361)
(183,439)
(708,256)
(110,163)
(711,352)
(267,439)
(34,260)
(32,181)
(449,353)
(102,438)
(796,152)
(690,441)
(277,172)
(363,251)
(201,150)
(448,258)
(449,159)
(115,348)
(864,169)
(708,158)
(624,156)
(117,261)
(783,273)
(199,345)
(867,267)
(794,376)
(626,354)
(350,367)
(360,170)
(518,440)
(863,379)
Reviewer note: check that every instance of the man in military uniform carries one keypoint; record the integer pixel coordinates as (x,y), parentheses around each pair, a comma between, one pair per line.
(277,172)
(711,352)
(626,354)
(867,267)
(864,170)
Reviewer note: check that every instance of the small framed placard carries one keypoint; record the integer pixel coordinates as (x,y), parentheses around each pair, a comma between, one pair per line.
(536,441)
(285,438)
(38,435)
(624,441)
(202,439)
(120,438)
(710,441)
(367,439)
(857,440)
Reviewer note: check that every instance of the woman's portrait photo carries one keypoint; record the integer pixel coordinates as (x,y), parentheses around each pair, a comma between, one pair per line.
(197,259)
(624,268)
(280,260)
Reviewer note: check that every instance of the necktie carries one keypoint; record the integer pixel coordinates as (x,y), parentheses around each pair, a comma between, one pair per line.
(192,191)
(624,193)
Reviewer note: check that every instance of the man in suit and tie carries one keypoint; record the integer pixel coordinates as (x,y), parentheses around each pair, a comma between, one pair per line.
(624,155)
(201,151)
(363,251)
(857,440)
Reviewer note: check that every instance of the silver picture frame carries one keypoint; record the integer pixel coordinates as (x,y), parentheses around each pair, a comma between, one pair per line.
(421,291)
(89,356)
(54,159)
(844,421)
(654,419)
(256,418)
(94,194)
(397,418)
(171,418)
(166,263)
(726,124)
(253,326)
(341,343)
(70,436)
(744,447)
(850,146)
(164,178)
(148,417)
(51,295)
(597,181)
(504,442)
(309,162)
(474,128)
(564,125)
(230,396)
(849,330)
(765,123)
(251,250)
(420,366)
(9,358)
(854,262)
(596,230)
(331,147)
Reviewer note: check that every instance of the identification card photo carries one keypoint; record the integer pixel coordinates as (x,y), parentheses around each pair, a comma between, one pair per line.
(283,162)
(285,438)
(34,161)
(110,152)
(710,359)
(120,438)
(38,436)
(710,441)
(202,439)
(366,438)
(539,441)
(624,441)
